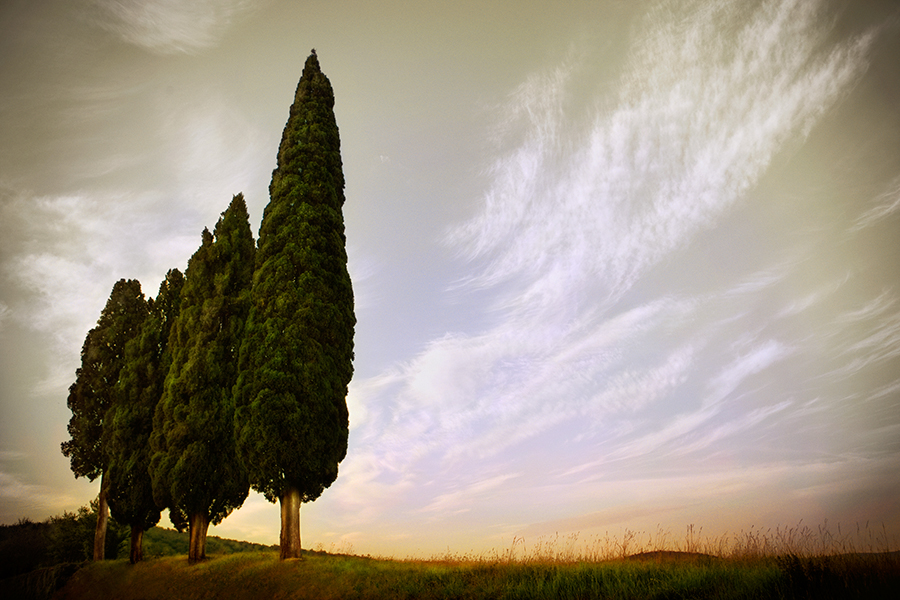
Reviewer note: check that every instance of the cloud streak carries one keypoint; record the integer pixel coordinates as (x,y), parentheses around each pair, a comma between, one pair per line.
(170,26)
(580,207)
(699,117)
(888,203)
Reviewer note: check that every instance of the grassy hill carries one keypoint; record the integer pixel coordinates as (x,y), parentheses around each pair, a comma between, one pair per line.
(322,576)
(161,541)
(47,560)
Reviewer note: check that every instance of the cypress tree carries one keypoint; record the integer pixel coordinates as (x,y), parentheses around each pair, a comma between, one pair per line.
(194,468)
(130,421)
(292,422)
(93,394)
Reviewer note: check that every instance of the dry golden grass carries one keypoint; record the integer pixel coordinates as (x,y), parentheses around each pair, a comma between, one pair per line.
(799,540)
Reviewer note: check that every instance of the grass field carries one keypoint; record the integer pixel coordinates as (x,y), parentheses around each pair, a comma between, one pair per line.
(785,564)
(324,576)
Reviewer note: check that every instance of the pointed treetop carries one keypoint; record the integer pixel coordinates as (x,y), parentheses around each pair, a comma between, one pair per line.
(313,81)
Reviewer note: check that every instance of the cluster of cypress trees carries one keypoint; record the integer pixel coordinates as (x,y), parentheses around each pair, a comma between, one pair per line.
(235,375)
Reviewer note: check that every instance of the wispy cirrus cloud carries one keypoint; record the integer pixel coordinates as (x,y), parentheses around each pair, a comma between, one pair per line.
(866,336)
(583,203)
(709,96)
(888,203)
(459,499)
(749,363)
(171,26)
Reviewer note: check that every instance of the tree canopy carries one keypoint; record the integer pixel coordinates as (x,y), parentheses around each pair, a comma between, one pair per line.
(102,359)
(195,471)
(236,374)
(129,421)
(292,421)
(94,392)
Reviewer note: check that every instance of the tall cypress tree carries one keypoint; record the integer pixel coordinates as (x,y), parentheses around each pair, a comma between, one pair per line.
(194,468)
(130,421)
(93,394)
(292,422)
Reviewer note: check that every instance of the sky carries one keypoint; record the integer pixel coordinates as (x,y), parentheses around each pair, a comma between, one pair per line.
(618,266)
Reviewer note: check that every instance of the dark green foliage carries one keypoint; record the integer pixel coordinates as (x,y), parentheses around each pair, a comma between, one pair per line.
(130,421)
(193,467)
(296,359)
(71,536)
(160,541)
(23,547)
(102,359)
(65,538)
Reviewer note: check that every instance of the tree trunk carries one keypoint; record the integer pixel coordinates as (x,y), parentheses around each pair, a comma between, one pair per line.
(203,533)
(137,546)
(102,518)
(199,524)
(290,523)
